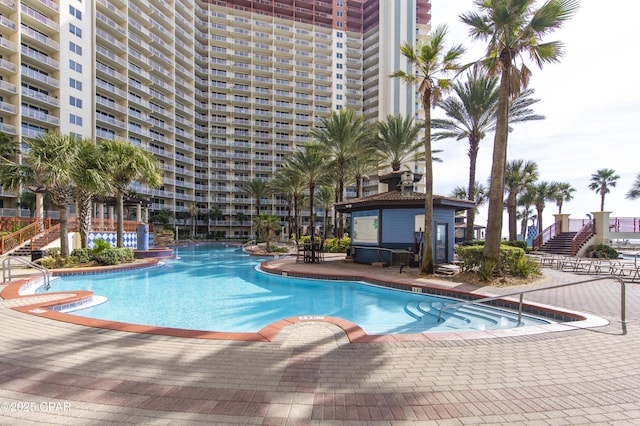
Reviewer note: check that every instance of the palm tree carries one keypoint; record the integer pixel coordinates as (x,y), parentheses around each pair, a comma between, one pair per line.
(309,164)
(361,166)
(471,114)
(257,189)
(240,217)
(9,147)
(90,178)
(287,183)
(511,28)
(27,201)
(397,141)
(562,192)
(127,164)
(519,174)
(194,212)
(525,200)
(343,136)
(326,198)
(544,192)
(601,181)
(162,216)
(428,67)
(480,198)
(267,225)
(634,192)
(214,214)
(48,165)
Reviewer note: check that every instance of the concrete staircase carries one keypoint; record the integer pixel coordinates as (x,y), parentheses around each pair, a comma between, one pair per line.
(560,244)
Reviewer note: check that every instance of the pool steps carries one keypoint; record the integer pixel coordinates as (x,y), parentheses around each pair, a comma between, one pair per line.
(429,311)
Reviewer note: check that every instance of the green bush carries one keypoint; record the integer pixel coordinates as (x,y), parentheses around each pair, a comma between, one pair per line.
(115,256)
(512,262)
(337,245)
(602,251)
(517,243)
(472,243)
(51,262)
(54,251)
(525,268)
(470,256)
(83,255)
(100,245)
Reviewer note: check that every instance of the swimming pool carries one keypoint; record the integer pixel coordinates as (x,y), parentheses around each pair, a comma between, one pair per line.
(217,288)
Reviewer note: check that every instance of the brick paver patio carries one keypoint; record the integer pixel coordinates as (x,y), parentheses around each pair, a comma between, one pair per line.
(53,372)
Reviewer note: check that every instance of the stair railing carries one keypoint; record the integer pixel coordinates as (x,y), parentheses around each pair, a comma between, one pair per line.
(545,236)
(587,231)
(45,238)
(6,269)
(13,240)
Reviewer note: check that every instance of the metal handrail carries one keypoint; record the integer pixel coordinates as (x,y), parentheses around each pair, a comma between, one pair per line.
(6,267)
(623,297)
(586,232)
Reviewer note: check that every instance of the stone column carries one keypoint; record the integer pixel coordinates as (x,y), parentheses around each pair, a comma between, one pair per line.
(138,213)
(601,227)
(562,222)
(99,211)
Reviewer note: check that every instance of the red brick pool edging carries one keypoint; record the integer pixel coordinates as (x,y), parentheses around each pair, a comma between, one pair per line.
(354,332)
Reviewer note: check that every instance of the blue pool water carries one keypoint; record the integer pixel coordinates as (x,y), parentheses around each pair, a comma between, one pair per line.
(217,288)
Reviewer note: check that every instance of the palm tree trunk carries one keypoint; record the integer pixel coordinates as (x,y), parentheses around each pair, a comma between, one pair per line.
(471,192)
(539,209)
(312,189)
(491,253)
(340,222)
(119,219)
(512,210)
(64,231)
(426,266)
(296,218)
(84,217)
(602,200)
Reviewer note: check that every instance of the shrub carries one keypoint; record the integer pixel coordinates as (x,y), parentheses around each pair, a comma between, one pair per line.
(100,245)
(83,255)
(337,245)
(516,243)
(114,256)
(278,249)
(512,262)
(524,268)
(602,251)
(472,243)
(51,262)
(470,256)
(54,251)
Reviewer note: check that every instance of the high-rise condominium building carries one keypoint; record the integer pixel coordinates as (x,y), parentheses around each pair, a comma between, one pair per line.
(220,91)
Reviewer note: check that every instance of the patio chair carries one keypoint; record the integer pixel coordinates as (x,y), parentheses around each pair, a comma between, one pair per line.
(300,252)
(320,254)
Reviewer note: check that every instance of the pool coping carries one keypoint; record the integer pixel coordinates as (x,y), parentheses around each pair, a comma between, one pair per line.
(354,332)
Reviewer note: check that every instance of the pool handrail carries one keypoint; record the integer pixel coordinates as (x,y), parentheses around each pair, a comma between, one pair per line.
(523,292)
(6,269)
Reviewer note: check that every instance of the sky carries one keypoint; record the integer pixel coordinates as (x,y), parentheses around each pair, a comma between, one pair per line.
(592,111)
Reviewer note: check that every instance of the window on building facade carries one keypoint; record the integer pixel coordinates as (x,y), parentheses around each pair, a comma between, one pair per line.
(75,30)
(75,12)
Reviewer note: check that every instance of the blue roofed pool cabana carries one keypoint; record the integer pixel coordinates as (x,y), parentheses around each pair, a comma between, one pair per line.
(387,227)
